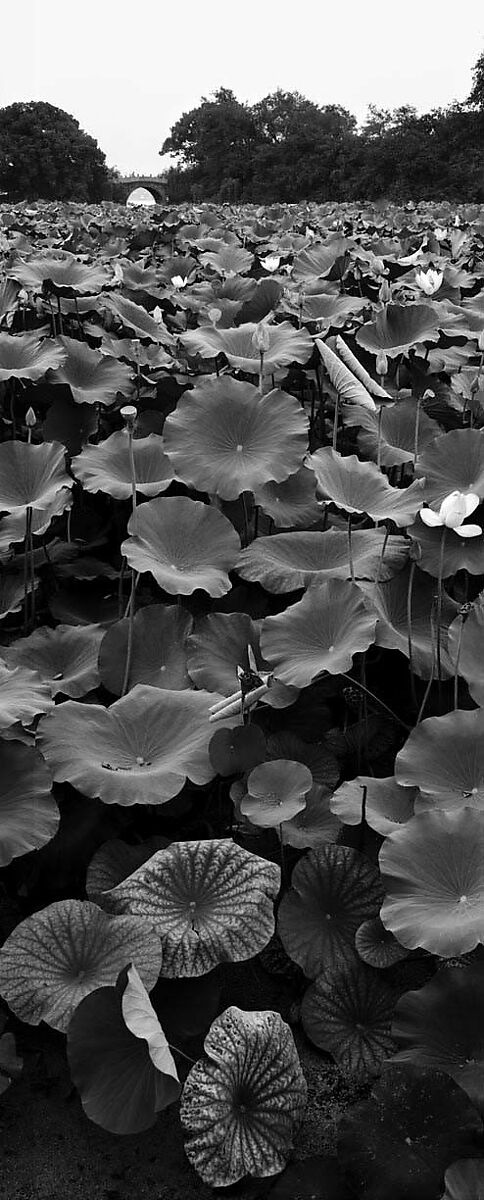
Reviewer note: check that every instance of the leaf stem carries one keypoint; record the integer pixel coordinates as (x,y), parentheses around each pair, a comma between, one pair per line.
(356,683)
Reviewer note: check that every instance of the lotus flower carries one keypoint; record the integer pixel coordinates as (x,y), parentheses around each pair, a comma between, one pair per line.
(429,281)
(453,511)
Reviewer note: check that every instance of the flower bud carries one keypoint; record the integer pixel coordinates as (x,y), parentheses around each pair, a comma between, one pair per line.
(214,315)
(30,418)
(381,363)
(385,292)
(261,338)
(129,414)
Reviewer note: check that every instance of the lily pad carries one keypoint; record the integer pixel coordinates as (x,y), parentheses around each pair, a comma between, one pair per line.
(398,327)
(471,649)
(65,658)
(444,757)
(158,650)
(33,477)
(387,805)
(378,947)
(233,751)
(276,792)
(286,562)
(184,544)
(26,356)
(218,645)
(348,1013)
(291,503)
(23,695)
(454,462)
(315,825)
(92,377)
(361,488)
(320,633)
(107,466)
(286,345)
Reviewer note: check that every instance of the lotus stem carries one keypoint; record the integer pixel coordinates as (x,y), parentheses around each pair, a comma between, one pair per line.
(356,683)
(378,444)
(415,440)
(432,671)
(462,615)
(261,373)
(246,519)
(59,311)
(350,551)
(382,555)
(335,422)
(129,415)
(28,526)
(364,793)
(439,603)
(409,632)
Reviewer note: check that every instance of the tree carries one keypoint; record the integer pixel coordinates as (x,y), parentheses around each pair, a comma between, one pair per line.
(45,155)
(476,97)
(216,141)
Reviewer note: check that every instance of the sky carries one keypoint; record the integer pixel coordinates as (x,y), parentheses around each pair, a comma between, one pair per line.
(128,70)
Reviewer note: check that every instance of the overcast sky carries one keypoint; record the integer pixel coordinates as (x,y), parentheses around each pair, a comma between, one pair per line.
(127,71)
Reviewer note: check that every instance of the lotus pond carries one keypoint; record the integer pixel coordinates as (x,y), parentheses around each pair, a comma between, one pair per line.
(242,701)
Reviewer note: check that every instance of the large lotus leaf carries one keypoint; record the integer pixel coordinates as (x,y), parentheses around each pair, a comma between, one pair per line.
(286,345)
(316,1178)
(62,953)
(276,792)
(441,1026)
(226,438)
(315,825)
(348,1013)
(378,947)
(23,695)
(291,503)
(65,658)
(93,378)
(329,309)
(398,327)
(333,889)
(360,487)
(12,592)
(349,388)
(115,860)
(286,562)
(458,553)
(228,260)
(400,1140)
(454,462)
(184,543)
(471,650)
(243,1101)
(444,757)
(396,443)
(391,599)
(433,873)
(12,528)
(218,645)
(233,751)
(25,356)
(209,902)
(33,477)
(159,649)
(29,816)
(107,466)
(264,300)
(464,1180)
(134,317)
(63,271)
(386,805)
(138,751)
(119,1058)
(316,261)
(70,423)
(320,633)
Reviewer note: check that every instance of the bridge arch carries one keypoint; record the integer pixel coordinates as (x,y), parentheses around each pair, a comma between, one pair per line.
(155,185)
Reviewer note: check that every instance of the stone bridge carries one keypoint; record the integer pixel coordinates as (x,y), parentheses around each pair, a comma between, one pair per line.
(156,184)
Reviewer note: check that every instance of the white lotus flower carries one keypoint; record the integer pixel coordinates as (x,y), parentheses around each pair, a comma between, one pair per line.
(178,281)
(271,263)
(453,511)
(440,233)
(429,281)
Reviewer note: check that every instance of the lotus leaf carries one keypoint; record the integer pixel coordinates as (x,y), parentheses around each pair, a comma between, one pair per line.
(115,860)
(276,792)
(321,762)
(378,947)
(393,599)
(65,658)
(138,751)
(70,423)
(444,757)
(464,1180)
(218,645)
(184,544)
(92,377)
(361,488)
(233,751)
(119,1057)
(469,648)
(433,874)
(395,444)
(62,271)
(386,804)
(348,1013)
(29,816)
(10,1063)
(286,345)
(333,889)
(454,462)
(33,477)
(135,317)
(316,261)
(63,952)
(226,438)
(315,825)
(398,327)
(292,502)
(107,466)
(320,633)
(286,562)
(25,356)
(158,650)
(242,1102)
(228,260)
(346,384)
(315,1178)
(441,1026)
(23,695)
(399,1142)
(209,901)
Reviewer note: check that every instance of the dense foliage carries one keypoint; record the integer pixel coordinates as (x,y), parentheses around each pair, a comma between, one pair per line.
(242,680)
(44,153)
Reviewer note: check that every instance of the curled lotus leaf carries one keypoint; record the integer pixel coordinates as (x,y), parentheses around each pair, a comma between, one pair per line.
(286,345)
(333,889)
(412,591)
(464,1180)
(138,751)
(380,1140)
(315,825)
(285,562)
(457,554)
(135,317)
(62,953)
(185,545)
(92,377)
(359,487)
(209,902)
(454,462)
(107,466)
(62,270)
(26,356)
(115,860)
(29,816)
(243,1101)
(276,792)
(433,875)
(225,438)
(444,757)
(12,528)
(467,647)
(291,503)
(65,657)
(320,633)
(348,1013)
(120,1060)
(23,695)
(32,477)
(350,389)
(378,947)
(159,648)
(384,803)
(398,327)
(441,1026)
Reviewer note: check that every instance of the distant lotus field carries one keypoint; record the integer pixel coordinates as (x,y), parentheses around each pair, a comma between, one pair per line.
(242,678)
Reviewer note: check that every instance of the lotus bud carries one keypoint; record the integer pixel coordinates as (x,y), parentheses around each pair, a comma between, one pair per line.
(157,315)
(30,418)
(261,338)
(118,273)
(270,263)
(480,342)
(385,292)
(381,363)
(178,282)
(378,266)
(23,296)
(129,414)
(214,315)
(136,346)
